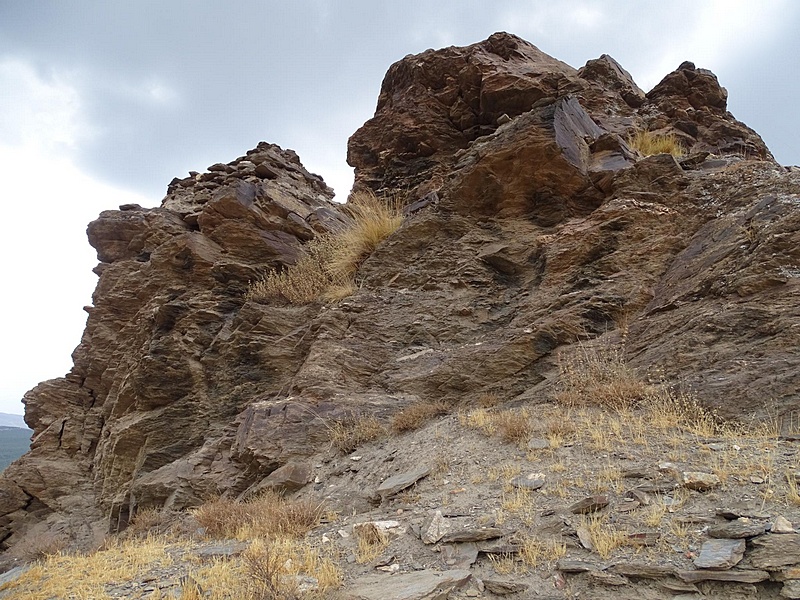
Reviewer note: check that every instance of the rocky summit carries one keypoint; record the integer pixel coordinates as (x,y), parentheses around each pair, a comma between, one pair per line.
(535,229)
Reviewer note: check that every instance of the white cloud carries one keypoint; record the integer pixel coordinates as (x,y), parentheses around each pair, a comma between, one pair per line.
(47,203)
(39,111)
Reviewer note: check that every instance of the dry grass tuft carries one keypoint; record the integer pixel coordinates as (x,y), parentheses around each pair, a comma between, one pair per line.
(535,552)
(605,538)
(488,400)
(649,143)
(371,542)
(513,426)
(267,515)
(600,376)
(348,434)
(326,271)
(417,414)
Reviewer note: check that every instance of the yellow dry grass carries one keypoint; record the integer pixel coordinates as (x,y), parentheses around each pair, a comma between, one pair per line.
(348,434)
(267,515)
(327,268)
(417,414)
(649,143)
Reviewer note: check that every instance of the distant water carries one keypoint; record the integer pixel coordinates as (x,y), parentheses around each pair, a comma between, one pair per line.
(14,442)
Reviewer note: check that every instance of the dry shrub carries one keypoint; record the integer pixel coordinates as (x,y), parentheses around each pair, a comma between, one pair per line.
(267,515)
(488,400)
(417,414)
(371,542)
(39,545)
(348,434)
(535,552)
(513,426)
(649,143)
(600,376)
(326,270)
(605,538)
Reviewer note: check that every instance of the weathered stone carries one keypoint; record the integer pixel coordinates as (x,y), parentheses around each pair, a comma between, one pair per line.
(791,589)
(397,483)
(531,239)
(476,534)
(740,528)
(575,566)
(773,551)
(459,556)
(590,504)
(532,481)
(782,525)
(289,478)
(607,578)
(695,480)
(422,585)
(739,575)
(720,554)
(434,528)
(500,587)
(739,510)
(642,570)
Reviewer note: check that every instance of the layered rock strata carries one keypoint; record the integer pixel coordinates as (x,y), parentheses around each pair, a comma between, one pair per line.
(534,226)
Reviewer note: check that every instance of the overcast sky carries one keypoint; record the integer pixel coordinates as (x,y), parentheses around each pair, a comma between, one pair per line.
(104,102)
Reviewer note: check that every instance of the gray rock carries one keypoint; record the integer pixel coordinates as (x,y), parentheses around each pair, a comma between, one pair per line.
(538,444)
(782,525)
(642,570)
(531,481)
(397,483)
(459,556)
(477,534)
(740,528)
(422,585)
(771,551)
(791,589)
(434,528)
(504,588)
(697,480)
(590,504)
(738,575)
(720,554)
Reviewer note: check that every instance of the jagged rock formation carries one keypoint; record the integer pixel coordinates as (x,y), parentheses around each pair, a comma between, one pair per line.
(535,225)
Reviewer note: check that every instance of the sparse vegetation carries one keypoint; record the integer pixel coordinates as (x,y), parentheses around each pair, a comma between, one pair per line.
(327,268)
(265,516)
(348,434)
(417,414)
(371,541)
(649,143)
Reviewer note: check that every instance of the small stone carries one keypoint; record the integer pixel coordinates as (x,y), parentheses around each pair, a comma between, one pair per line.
(782,525)
(668,468)
(738,575)
(434,528)
(771,551)
(531,481)
(740,528)
(699,481)
(474,535)
(644,538)
(503,588)
(791,589)
(459,556)
(398,483)
(608,578)
(742,509)
(756,479)
(585,538)
(716,446)
(720,554)
(503,119)
(566,565)
(589,504)
(538,444)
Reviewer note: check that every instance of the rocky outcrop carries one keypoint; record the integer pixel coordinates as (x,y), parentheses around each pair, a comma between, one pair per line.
(537,226)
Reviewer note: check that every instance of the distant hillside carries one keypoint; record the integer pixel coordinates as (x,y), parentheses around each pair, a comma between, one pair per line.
(14,442)
(9,420)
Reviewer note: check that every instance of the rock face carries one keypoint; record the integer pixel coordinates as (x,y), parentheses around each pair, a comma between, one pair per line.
(536,233)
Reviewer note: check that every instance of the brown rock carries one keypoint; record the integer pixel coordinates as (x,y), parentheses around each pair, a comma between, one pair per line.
(773,551)
(740,528)
(738,575)
(590,504)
